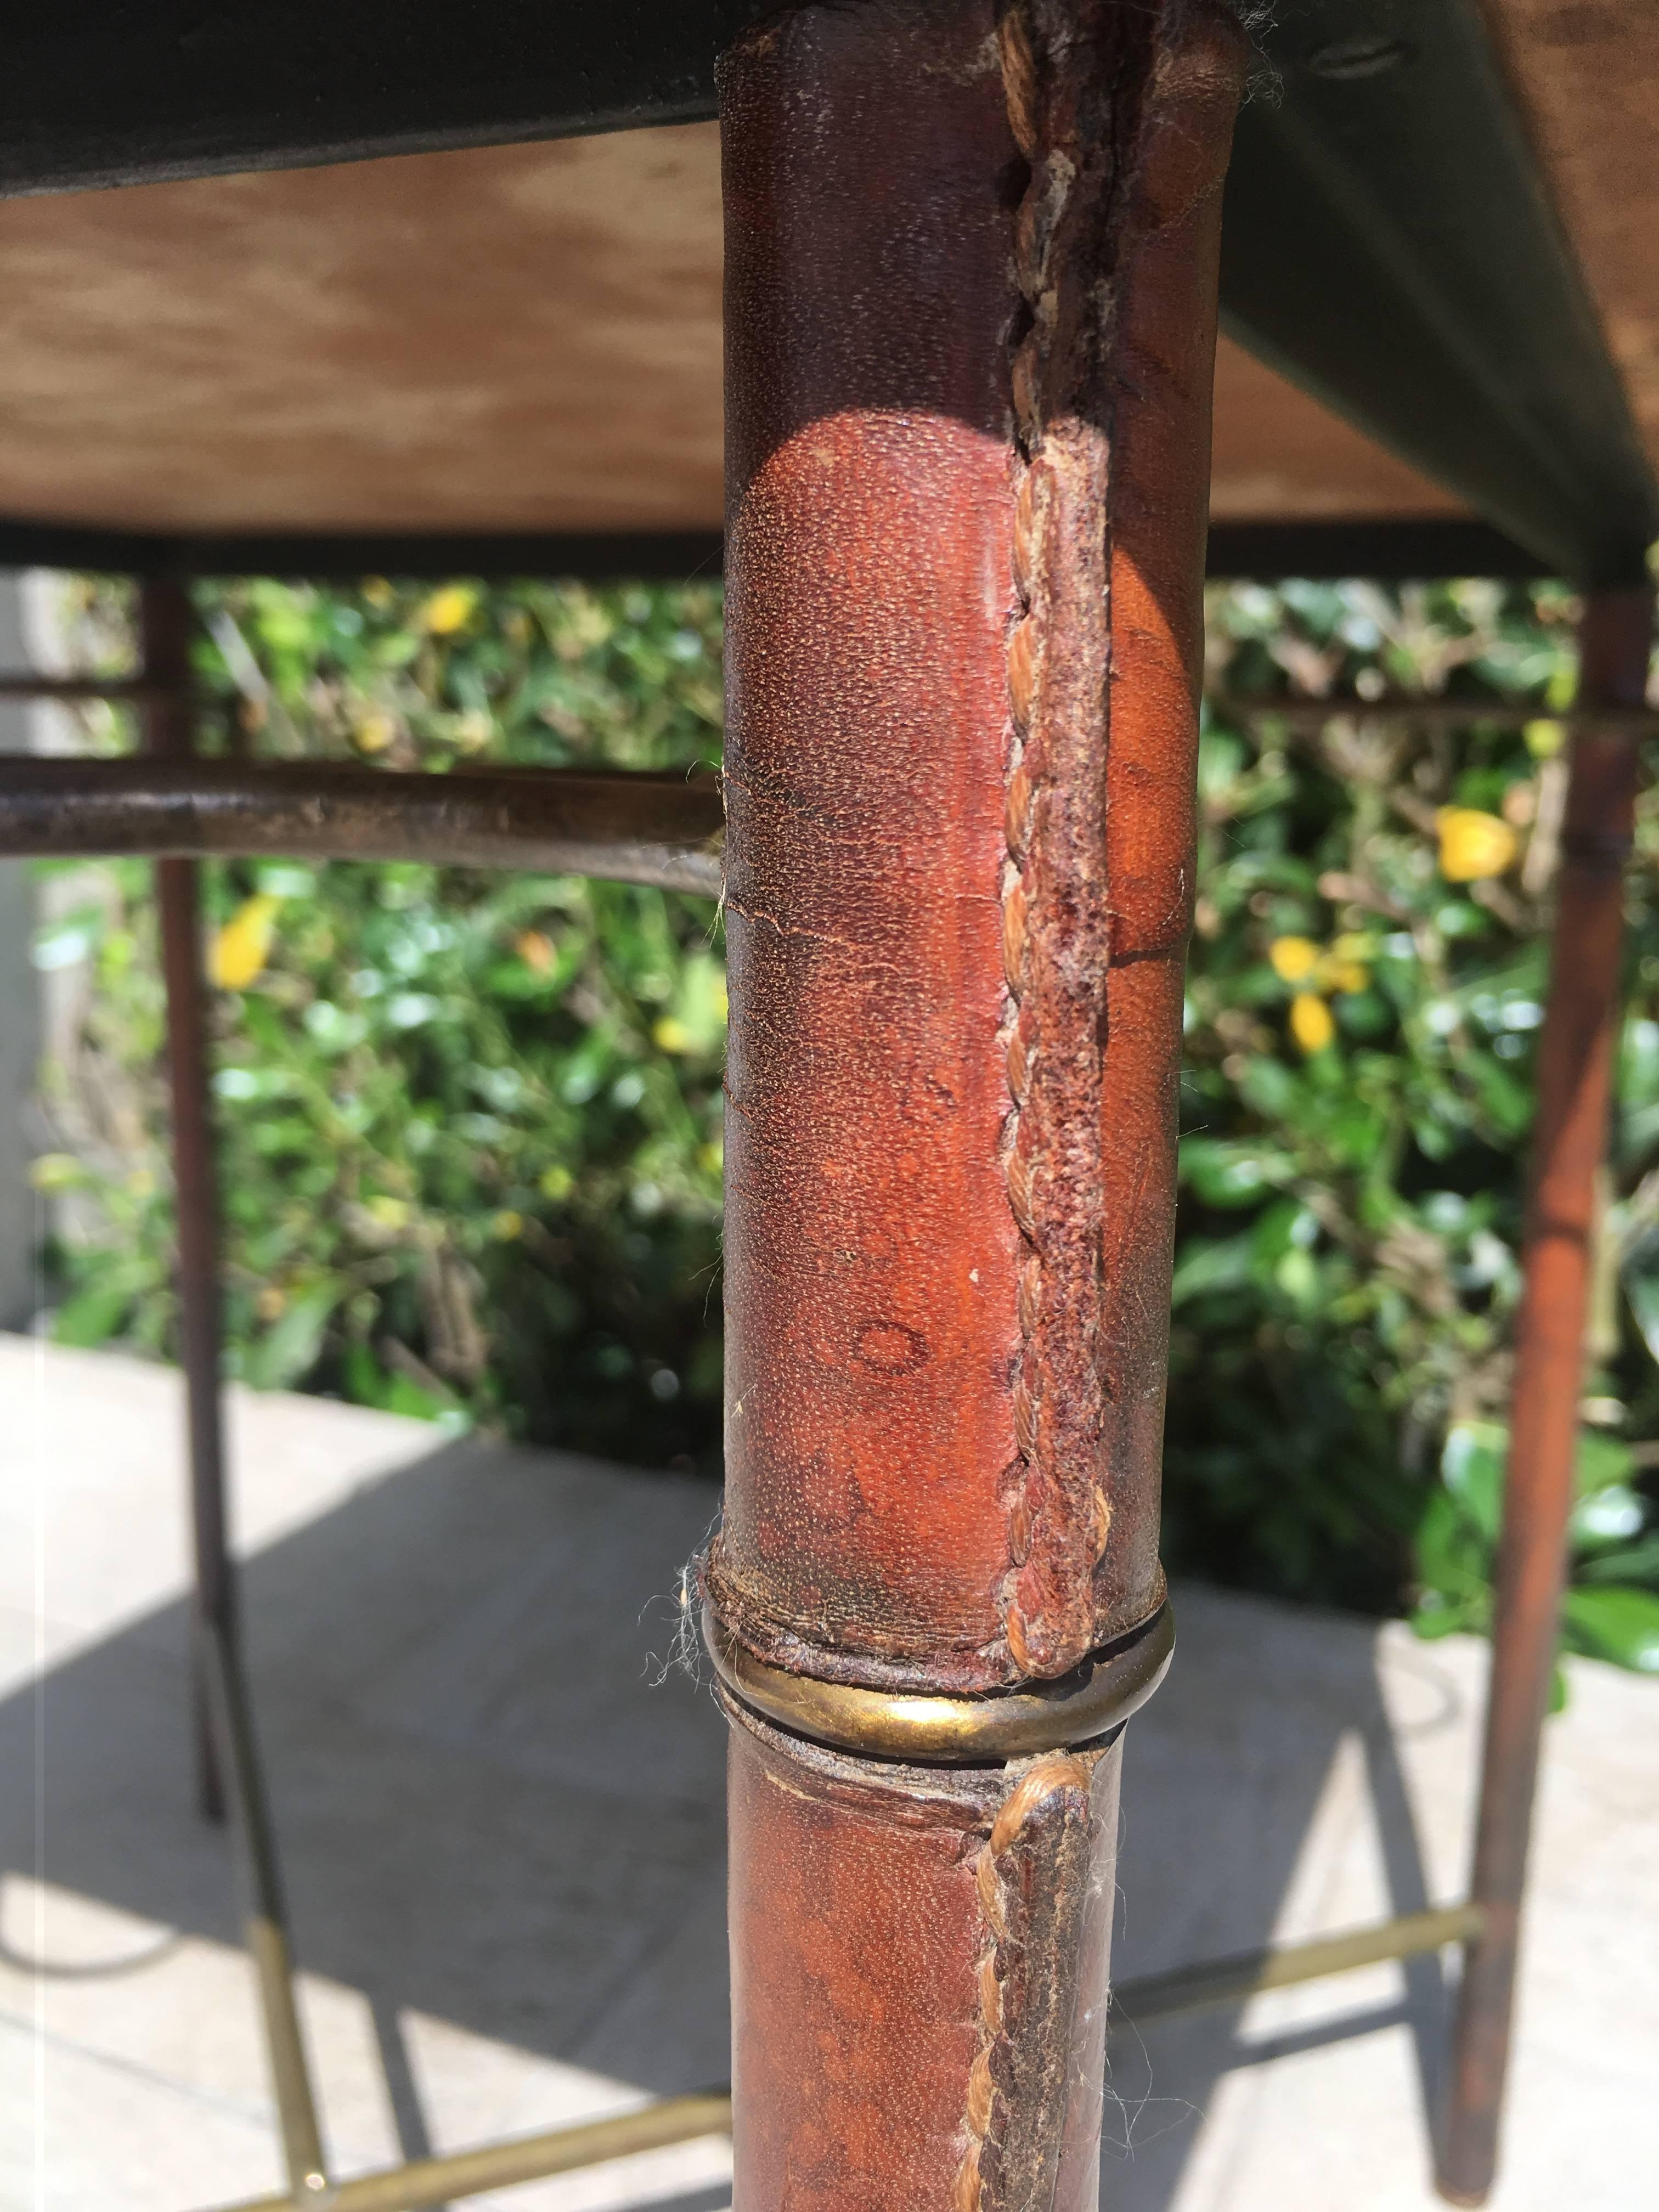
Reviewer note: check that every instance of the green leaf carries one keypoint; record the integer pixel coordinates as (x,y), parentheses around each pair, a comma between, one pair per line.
(1454,1560)
(1509,1102)
(1431,1623)
(1472,1467)
(1232,1175)
(1285,1226)
(1612,1514)
(1602,1461)
(1614,1623)
(92,1316)
(1639,1564)
(288,1350)
(1268,1086)
(1211,1264)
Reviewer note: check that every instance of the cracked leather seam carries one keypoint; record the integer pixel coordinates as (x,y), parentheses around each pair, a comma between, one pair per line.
(1056,910)
(1098,98)
(1031,1868)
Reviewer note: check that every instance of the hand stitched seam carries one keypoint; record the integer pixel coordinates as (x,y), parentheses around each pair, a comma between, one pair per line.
(1056,915)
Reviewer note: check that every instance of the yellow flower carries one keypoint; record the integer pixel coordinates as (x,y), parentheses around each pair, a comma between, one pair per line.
(1473,845)
(1294,958)
(536,951)
(1346,966)
(240,949)
(374,732)
(670,1035)
(507,1225)
(1310,1022)
(448,611)
(1343,976)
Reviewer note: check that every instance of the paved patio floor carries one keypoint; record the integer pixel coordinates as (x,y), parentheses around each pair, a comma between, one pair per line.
(499,1804)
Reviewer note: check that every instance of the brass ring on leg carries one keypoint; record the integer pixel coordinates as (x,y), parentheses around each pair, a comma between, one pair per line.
(941,1731)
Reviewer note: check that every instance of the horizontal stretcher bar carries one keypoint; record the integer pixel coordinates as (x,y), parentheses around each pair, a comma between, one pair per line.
(1299,712)
(1247,1973)
(664,830)
(426,2181)
(1308,716)
(119,690)
(681,2119)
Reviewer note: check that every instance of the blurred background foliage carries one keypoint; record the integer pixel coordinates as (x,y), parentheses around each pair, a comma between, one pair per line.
(472,1123)
(469,1122)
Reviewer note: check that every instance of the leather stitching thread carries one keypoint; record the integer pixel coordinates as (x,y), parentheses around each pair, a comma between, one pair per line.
(1051,1138)
(968,2192)
(992,1975)
(980,2184)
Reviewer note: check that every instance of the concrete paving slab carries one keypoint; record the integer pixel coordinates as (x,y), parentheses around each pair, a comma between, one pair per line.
(500,1809)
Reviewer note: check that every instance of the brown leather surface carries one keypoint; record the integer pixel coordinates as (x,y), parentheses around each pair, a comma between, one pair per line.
(919,1969)
(970,321)
(1160,474)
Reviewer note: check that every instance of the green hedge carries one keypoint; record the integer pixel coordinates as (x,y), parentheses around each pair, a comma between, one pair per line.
(472,1123)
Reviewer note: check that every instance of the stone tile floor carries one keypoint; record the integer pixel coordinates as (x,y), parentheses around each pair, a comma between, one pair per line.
(499,1801)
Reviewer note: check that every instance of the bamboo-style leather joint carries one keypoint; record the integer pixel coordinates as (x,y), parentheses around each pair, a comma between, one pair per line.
(959,871)
(1089,1703)
(970,280)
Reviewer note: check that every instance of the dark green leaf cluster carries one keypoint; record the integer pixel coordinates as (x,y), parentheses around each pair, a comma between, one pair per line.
(1362,1016)
(472,1123)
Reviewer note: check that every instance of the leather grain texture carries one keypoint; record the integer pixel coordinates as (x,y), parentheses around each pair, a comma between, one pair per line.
(971,281)
(918,1978)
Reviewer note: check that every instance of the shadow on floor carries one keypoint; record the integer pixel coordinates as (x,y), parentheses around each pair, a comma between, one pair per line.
(1223,1774)
(500,1802)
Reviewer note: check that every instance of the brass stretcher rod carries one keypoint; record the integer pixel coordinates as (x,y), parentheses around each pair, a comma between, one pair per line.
(1247,1973)
(1301,712)
(633,827)
(121,690)
(429,2181)
(267,1919)
(1307,716)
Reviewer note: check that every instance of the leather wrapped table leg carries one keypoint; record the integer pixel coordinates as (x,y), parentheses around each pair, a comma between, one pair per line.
(918,1977)
(970,300)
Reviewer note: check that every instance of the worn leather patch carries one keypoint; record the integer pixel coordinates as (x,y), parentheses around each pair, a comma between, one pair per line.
(869,1247)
